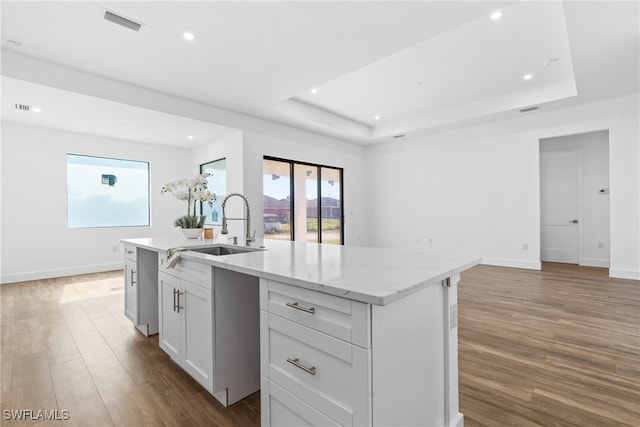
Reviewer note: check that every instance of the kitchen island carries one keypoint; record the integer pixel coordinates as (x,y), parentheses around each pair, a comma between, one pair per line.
(331,335)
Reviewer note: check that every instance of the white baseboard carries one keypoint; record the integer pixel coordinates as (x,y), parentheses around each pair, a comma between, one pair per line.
(514,263)
(621,273)
(458,420)
(61,272)
(595,262)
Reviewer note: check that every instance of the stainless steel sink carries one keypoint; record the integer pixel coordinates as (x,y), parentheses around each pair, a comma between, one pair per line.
(225,250)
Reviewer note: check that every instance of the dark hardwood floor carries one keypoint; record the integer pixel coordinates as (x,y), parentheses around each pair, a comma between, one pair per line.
(557,347)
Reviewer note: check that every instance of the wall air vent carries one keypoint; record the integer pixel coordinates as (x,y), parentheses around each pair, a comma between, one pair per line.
(121,20)
(22,107)
(526,110)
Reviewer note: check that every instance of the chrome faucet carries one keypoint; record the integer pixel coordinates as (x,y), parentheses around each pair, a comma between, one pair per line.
(249,238)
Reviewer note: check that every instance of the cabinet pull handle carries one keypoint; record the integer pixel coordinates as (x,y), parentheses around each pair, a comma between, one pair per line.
(132,279)
(178,306)
(310,310)
(296,362)
(175,304)
(128,251)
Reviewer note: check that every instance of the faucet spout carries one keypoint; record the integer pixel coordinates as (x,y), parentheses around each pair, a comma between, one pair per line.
(249,238)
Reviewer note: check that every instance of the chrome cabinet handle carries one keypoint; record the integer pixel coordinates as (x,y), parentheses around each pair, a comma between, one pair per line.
(178,306)
(128,251)
(296,362)
(175,304)
(310,310)
(132,279)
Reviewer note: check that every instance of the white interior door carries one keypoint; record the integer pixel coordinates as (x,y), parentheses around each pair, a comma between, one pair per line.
(560,205)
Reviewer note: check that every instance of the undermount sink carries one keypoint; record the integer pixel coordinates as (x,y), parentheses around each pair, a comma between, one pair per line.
(225,250)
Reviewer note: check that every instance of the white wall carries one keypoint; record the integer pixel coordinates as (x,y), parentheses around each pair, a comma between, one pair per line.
(476,190)
(594,175)
(36,242)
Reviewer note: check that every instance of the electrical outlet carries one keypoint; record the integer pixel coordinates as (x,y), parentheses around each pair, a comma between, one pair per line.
(430,240)
(601,245)
(525,246)
(115,249)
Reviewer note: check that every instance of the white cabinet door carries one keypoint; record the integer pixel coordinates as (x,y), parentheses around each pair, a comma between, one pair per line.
(130,291)
(170,323)
(197,333)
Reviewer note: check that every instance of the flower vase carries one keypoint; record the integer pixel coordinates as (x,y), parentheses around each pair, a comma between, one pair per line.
(191,233)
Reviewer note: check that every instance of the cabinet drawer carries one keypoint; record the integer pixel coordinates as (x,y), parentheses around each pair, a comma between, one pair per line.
(130,252)
(339,317)
(326,373)
(281,408)
(193,271)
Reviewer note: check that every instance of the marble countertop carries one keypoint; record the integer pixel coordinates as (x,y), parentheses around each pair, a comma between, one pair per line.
(371,275)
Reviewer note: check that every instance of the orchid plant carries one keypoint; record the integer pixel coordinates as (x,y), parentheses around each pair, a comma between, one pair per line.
(192,191)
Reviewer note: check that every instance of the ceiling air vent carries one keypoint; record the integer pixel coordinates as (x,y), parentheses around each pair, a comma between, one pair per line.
(22,107)
(121,20)
(526,110)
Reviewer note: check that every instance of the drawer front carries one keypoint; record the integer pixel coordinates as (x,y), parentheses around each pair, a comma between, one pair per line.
(281,408)
(339,317)
(193,271)
(326,373)
(130,252)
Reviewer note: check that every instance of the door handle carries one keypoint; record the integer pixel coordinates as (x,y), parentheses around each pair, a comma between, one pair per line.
(573,221)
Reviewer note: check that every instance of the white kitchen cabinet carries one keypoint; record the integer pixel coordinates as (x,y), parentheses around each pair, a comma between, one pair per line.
(186,326)
(170,338)
(310,363)
(130,290)
(140,288)
(327,360)
(209,325)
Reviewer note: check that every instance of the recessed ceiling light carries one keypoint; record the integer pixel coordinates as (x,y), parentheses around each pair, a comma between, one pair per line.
(496,15)
(314,91)
(188,36)
(527,76)
(190,137)
(376,117)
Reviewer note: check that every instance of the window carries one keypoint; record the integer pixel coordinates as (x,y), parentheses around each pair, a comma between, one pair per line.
(302,201)
(104,192)
(217,185)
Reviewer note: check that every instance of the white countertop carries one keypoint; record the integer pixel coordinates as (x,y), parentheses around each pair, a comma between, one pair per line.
(371,275)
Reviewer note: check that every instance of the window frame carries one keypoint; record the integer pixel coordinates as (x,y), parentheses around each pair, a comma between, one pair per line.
(318,167)
(148,224)
(207,221)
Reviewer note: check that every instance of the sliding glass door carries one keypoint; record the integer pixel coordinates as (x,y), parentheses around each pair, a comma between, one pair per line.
(310,209)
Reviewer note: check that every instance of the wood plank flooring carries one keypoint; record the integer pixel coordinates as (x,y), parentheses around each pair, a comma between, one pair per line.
(66,345)
(557,347)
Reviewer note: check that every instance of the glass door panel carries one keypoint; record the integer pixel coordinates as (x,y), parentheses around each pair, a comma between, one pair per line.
(331,205)
(306,202)
(277,199)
